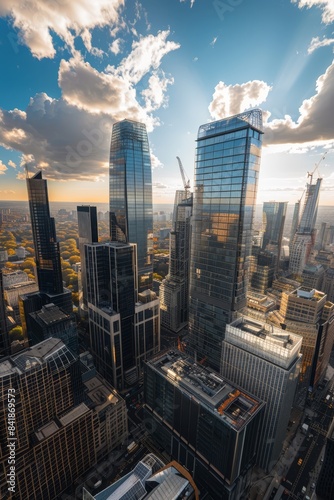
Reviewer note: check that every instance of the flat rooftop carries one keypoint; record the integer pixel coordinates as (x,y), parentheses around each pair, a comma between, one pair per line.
(232,404)
(101,393)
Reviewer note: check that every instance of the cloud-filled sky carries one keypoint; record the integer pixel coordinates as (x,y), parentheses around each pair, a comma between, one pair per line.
(72,69)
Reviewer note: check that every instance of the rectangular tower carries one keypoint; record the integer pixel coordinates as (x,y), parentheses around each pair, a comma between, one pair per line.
(202,421)
(174,290)
(88,233)
(226,177)
(131,212)
(47,253)
(264,361)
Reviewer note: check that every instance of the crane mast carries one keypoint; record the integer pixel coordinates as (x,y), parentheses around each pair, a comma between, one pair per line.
(186,183)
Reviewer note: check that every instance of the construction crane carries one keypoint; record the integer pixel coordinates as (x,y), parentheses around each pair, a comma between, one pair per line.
(310,174)
(186,183)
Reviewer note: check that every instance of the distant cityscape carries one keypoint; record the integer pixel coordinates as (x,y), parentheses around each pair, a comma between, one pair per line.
(169,351)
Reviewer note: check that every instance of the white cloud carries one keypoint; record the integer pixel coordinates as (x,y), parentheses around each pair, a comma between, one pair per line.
(316,43)
(159,185)
(155,162)
(37,20)
(191,2)
(3,168)
(233,99)
(315,126)
(146,55)
(214,41)
(115,46)
(327,7)
(69,138)
(11,164)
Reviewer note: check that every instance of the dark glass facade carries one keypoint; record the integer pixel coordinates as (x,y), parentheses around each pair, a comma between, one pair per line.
(274,214)
(111,308)
(131,213)
(47,254)
(188,412)
(88,233)
(226,177)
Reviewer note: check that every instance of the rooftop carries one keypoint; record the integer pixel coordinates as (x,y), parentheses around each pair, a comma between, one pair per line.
(101,393)
(234,405)
(265,340)
(49,314)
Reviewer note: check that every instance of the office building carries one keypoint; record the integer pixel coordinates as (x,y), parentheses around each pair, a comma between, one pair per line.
(313,276)
(307,312)
(174,290)
(262,272)
(274,214)
(47,257)
(264,361)
(57,426)
(47,253)
(150,479)
(124,326)
(328,283)
(4,337)
(130,195)
(88,233)
(204,422)
(51,321)
(226,177)
(304,238)
(325,484)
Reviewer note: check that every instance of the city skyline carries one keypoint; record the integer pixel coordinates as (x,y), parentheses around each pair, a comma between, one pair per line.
(73,71)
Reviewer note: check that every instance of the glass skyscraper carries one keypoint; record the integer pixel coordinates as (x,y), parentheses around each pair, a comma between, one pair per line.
(4,339)
(226,177)
(131,213)
(47,253)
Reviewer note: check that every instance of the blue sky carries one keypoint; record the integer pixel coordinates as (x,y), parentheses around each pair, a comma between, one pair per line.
(71,69)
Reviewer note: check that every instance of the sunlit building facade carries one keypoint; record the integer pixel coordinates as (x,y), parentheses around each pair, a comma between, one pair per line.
(226,177)
(266,362)
(304,238)
(130,195)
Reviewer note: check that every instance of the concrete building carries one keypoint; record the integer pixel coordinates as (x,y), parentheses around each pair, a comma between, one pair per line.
(204,422)
(264,361)
(303,312)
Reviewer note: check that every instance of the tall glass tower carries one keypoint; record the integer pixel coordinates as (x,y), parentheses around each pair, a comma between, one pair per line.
(131,213)
(304,238)
(226,177)
(47,253)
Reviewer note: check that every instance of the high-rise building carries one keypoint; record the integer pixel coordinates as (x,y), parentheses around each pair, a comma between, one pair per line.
(47,257)
(131,212)
(264,361)
(226,177)
(59,430)
(47,253)
(4,338)
(174,290)
(274,214)
(88,233)
(124,326)
(328,283)
(304,238)
(111,295)
(307,312)
(204,422)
